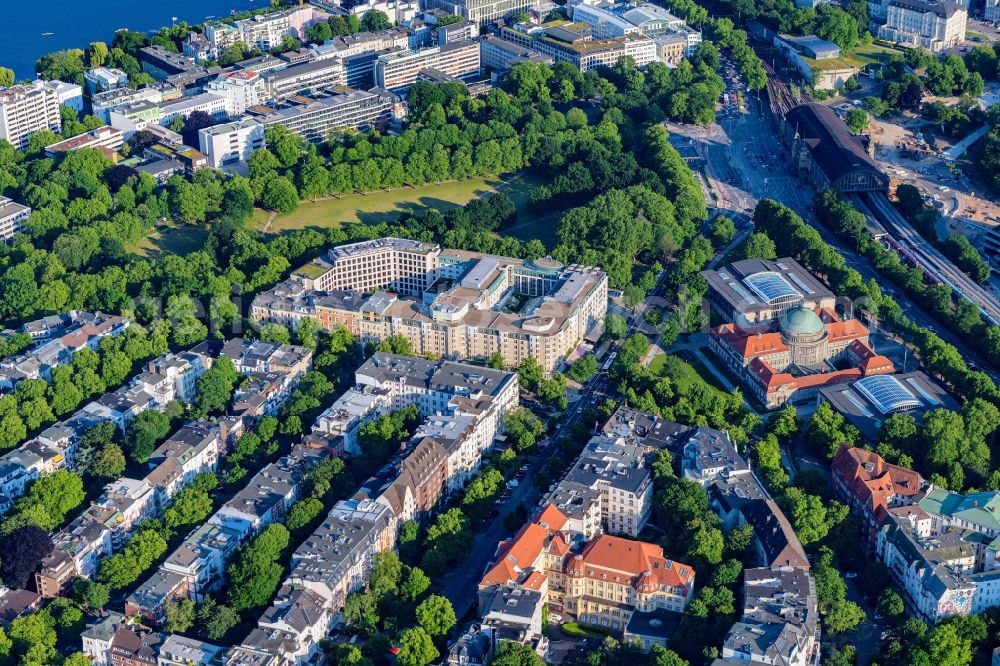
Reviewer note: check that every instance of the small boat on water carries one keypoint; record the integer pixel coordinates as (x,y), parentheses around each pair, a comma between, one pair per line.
(47,34)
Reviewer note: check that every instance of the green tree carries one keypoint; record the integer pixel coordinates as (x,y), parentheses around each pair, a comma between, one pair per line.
(414,584)
(90,594)
(436,615)
(510,653)
(759,246)
(109,462)
(303,513)
(214,388)
(6,77)
(217,619)
(584,368)
(180,616)
(190,507)
(416,648)
(843,616)
(857,120)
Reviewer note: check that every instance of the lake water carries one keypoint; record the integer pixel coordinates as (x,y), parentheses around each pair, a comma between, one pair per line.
(77,23)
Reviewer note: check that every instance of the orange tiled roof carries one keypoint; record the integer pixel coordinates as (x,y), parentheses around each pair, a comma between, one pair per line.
(535,580)
(873,481)
(551,518)
(516,555)
(643,563)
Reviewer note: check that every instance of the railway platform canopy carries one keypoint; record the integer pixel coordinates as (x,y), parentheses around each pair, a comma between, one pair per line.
(828,154)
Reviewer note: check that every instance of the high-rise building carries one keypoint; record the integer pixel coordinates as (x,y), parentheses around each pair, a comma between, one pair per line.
(26,109)
(230,143)
(398,71)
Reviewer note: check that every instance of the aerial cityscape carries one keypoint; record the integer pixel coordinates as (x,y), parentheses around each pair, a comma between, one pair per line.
(500,333)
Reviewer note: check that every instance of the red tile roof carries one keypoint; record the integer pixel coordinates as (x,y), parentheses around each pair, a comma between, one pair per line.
(642,563)
(872,481)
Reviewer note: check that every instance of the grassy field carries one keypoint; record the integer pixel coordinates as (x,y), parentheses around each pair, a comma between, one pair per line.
(379,207)
(174,238)
(866,54)
(684,373)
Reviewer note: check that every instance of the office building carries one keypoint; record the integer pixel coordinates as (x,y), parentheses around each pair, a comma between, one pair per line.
(241,89)
(754,291)
(100,79)
(106,139)
(483,11)
(309,77)
(866,403)
(317,119)
(26,109)
(231,143)
(500,55)
(397,71)
(104,102)
(934,26)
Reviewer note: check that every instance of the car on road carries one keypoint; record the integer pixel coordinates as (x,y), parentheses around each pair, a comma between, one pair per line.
(850,574)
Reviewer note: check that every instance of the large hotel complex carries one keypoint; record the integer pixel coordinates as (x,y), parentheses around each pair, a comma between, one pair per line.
(448,303)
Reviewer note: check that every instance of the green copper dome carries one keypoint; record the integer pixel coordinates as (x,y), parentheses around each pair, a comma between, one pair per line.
(800,321)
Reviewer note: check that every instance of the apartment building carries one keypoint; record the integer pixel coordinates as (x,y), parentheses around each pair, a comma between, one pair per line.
(134,647)
(96,638)
(935,26)
(12,217)
(67,94)
(317,119)
(231,143)
(82,330)
(710,459)
(870,486)
(397,71)
(26,109)
(608,488)
(780,621)
(266,31)
(197,566)
(241,89)
(451,303)
(179,650)
(107,139)
(211,103)
(161,64)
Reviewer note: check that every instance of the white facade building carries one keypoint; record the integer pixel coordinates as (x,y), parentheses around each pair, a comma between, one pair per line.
(934,26)
(26,109)
(231,143)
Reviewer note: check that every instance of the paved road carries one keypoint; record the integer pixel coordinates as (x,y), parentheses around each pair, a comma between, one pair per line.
(747,152)
(462,583)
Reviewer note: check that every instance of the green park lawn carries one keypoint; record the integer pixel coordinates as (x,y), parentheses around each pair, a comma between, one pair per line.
(386,206)
(177,238)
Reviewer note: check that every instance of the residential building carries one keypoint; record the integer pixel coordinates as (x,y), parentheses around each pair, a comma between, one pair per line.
(780,622)
(12,217)
(792,361)
(757,291)
(18,468)
(241,89)
(867,402)
(231,143)
(935,26)
(397,71)
(474,647)
(452,303)
(293,626)
(515,614)
(317,119)
(107,139)
(67,94)
(15,603)
(134,647)
(26,109)
(96,638)
(267,31)
(870,486)
(182,651)
(100,79)
(711,460)
(77,550)
(610,480)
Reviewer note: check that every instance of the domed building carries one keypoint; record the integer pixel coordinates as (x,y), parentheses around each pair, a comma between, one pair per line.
(804,351)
